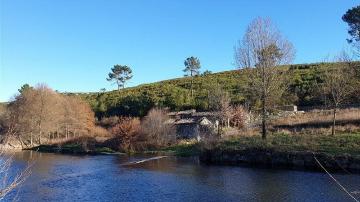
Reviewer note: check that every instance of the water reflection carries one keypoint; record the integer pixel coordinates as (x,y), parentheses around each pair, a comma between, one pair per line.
(105,178)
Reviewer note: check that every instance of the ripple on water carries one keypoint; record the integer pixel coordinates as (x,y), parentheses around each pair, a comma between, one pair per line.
(106,178)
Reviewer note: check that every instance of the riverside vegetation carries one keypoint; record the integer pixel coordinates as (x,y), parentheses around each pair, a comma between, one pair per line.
(121,133)
(94,136)
(251,126)
(246,102)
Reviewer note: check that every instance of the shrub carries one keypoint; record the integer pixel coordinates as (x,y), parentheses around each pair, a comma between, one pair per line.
(240,117)
(100,132)
(126,134)
(157,128)
(108,122)
(80,144)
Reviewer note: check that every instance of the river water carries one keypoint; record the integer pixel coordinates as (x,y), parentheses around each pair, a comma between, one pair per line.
(57,177)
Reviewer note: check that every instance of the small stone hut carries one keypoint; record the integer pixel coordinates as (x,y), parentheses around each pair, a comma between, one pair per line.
(191,124)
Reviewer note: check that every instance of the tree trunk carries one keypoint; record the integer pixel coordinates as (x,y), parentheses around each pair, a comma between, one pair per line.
(21,142)
(263,100)
(57,132)
(31,139)
(334,122)
(191,87)
(67,133)
(40,138)
(40,131)
(263,119)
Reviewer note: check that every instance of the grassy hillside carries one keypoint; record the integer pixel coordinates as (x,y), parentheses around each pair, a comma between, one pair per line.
(174,94)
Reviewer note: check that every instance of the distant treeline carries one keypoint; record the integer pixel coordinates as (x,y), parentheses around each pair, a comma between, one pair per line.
(304,89)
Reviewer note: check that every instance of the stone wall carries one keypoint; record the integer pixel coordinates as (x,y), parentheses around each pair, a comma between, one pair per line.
(187,131)
(282,159)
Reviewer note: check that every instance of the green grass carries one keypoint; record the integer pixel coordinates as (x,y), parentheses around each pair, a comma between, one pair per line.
(335,145)
(191,149)
(72,148)
(338,144)
(104,150)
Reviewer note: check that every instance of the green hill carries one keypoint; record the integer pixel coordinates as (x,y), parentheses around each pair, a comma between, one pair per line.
(175,94)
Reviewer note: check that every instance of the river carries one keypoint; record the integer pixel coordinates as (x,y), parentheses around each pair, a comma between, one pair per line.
(57,177)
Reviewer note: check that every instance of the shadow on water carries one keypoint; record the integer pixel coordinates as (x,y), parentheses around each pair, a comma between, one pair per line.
(57,177)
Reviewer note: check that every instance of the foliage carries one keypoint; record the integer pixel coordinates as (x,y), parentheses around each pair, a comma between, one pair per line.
(126,134)
(352,17)
(303,83)
(120,74)
(192,66)
(206,72)
(24,88)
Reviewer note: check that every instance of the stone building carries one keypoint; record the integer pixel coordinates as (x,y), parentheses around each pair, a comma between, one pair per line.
(191,124)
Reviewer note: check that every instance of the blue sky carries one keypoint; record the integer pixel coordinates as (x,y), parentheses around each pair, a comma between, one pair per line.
(72,44)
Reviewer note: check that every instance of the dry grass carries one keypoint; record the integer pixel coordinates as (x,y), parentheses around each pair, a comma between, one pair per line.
(318,122)
(338,144)
(101,132)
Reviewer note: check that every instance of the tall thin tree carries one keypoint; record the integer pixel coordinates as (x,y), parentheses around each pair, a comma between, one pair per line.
(260,51)
(339,84)
(192,67)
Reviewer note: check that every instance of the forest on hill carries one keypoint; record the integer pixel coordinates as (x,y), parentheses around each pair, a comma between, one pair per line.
(303,89)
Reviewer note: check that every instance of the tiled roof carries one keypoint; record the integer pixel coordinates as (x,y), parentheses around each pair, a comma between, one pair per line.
(185,121)
(192,112)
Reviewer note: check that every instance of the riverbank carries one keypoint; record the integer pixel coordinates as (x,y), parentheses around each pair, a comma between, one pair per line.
(336,153)
(90,146)
(76,149)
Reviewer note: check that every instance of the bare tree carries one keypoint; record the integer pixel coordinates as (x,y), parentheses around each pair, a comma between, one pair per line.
(83,115)
(260,51)
(226,110)
(157,129)
(219,103)
(44,112)
(76,119)
(21,121)
(45,109)
(8,183)
(240,116)
(339,84)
